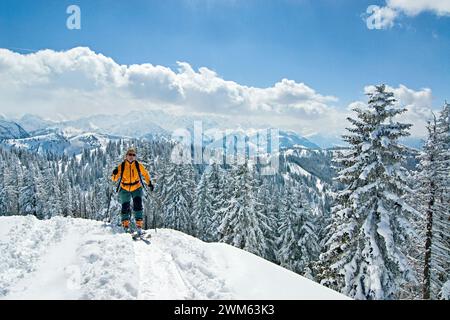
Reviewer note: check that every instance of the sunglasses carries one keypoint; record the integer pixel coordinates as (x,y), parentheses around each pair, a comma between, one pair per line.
(131,154)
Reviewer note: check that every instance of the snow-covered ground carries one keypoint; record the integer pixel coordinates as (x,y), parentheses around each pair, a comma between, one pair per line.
(65,258)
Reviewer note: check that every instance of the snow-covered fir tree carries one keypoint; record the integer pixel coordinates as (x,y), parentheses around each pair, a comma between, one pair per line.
(298,242)
(243,224)
(426,196)
(203,211)
(3,194)
(431,199)
(178,192)
(364,257)
(268,200)
(207,203)
(440,249)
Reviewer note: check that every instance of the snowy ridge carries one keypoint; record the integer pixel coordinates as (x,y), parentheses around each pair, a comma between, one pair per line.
(65,258)
(290,139)
(296,169)
(11,130)
(32,122)
(51,142)
(61,141)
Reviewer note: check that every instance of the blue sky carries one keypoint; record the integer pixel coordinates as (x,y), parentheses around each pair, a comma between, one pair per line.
(324,44)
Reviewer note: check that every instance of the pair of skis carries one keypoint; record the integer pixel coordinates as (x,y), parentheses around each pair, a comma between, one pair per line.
(140,235)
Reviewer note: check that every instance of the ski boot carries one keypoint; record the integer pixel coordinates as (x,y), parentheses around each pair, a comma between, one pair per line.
(140,234)
(126,226)
(139,225)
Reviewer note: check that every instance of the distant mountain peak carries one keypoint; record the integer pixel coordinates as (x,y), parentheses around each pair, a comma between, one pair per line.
(11,130)
(290,139)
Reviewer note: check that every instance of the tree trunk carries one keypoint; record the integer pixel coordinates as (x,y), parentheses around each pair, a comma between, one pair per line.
(426,289)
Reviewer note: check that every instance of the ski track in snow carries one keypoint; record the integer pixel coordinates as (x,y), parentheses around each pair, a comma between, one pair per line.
(66,258)
(71,259)
(181,265)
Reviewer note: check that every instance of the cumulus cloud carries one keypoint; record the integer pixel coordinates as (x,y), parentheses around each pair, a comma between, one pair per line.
(80,82)
(356,104)
(293,97)
(415,7)
(384,17)
(152,82)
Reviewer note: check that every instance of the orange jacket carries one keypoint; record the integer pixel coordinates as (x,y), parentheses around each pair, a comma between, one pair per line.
(130,179)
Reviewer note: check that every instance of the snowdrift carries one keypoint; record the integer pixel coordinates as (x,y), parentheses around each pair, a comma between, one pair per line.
(66,258)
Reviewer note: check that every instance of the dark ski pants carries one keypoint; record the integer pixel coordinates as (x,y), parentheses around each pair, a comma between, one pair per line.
(125,200)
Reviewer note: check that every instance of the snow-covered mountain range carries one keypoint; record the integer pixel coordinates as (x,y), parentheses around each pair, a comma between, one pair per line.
(60,142)
(86,259)
(70,137)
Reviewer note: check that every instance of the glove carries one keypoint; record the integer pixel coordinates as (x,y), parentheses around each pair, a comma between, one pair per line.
(151,186)
(116,171)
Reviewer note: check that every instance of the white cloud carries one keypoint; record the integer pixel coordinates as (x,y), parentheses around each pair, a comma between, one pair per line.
(356,104)
(415,7)
(384,17)
(152,82)
(79,82)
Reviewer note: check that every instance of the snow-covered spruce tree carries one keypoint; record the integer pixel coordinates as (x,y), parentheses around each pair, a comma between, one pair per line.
(298,242)
(243,224)
(222,201)
(67,194)
(433,202)
(203,211)
(207,203)
(426,197)
(440,268)
(218,185)
(178,192)
(28,194)
(3,194)
(364,258)
(50,195)
(268,198)
(308,241)
(13,177)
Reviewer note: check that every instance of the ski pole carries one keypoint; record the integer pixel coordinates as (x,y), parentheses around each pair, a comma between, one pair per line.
(108,213)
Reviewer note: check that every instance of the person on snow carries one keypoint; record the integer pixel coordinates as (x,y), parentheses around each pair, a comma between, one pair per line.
(130,174)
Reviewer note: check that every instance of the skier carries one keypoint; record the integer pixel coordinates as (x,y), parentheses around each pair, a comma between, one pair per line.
(129,174)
